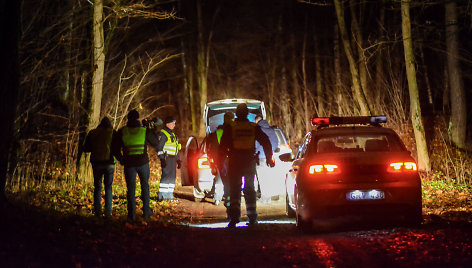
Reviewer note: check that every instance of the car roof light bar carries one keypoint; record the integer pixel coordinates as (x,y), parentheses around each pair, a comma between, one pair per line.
(336,120)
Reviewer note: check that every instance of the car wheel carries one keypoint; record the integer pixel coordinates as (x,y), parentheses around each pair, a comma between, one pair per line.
(290,212)
(198,195)
(303,225)
(415,218)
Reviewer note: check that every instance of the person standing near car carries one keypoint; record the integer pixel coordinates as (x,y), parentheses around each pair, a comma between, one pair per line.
(266,181)
(129,147)
(168,152)
(98,143)
(221,186)
(238,144)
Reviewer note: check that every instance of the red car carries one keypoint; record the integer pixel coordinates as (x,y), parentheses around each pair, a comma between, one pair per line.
(351,169)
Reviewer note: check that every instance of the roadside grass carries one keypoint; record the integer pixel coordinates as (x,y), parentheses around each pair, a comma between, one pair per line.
(76,199)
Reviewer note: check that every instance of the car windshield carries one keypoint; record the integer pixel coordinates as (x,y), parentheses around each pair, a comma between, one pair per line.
(356,143)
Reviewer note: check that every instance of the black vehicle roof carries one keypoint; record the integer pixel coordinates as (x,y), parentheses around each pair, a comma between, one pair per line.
(336,130)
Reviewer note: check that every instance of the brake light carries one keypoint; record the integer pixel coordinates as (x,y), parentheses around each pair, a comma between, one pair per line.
(320,121)
(324,169)
(203,163)
(401,166)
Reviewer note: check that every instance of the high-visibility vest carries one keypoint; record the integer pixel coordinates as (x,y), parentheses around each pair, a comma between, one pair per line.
(219,133)
(134,140)
(244,135)
(172,145)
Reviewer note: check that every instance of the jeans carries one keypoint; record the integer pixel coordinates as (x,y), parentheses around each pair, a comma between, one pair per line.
(107,172)
(237,170)
(130,176)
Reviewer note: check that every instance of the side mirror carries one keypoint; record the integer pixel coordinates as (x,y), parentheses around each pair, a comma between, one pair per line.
(287,157)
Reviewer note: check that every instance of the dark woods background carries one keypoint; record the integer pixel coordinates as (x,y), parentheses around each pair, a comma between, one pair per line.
(171,57)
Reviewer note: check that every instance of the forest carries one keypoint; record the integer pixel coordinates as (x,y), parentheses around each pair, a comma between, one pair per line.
(70,63)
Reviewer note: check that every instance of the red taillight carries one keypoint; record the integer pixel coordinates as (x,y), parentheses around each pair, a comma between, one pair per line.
(320,121)
(324,169)
(203,163)
(401,167)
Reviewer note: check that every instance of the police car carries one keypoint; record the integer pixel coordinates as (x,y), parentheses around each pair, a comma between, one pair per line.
(352,169)
(196,164)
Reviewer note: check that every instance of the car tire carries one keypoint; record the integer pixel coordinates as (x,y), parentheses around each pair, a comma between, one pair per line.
(290,212)
(303,225)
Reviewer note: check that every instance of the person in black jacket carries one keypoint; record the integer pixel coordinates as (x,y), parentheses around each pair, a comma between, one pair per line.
(238,144)
(129,147)
(98,143)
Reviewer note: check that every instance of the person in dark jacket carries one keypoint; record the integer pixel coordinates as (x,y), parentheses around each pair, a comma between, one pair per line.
(168,152)
(129,147)
(238,145)
(220,184)
(264,173)
(98,143)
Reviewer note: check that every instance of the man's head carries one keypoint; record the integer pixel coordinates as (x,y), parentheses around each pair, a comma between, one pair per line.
(170,122)
(133,115)
(105,123)
(241,110)
(258,118)
(228,117)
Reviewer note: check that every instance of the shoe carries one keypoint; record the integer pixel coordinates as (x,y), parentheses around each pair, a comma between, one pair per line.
(252,223)
(232,224)
(217,202)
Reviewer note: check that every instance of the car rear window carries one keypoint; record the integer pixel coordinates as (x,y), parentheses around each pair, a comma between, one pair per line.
(357,143)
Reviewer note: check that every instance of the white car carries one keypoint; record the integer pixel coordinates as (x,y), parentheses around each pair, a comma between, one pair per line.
(196,169)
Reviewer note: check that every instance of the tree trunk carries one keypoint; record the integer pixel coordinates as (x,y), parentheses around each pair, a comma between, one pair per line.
(202,68)
(358,41)
(306,115)
(85,171)
(358,93)
(458,119)
(9,82)
(415,109)
(318,82)
(337,71)
(296,104)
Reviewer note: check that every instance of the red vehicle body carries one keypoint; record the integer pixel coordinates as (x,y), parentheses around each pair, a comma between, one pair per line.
(353,173)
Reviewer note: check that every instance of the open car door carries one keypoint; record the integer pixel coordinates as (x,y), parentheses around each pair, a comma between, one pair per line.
(188,171)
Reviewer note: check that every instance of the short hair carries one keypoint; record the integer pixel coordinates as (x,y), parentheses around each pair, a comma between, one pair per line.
(242,110)
(133,115)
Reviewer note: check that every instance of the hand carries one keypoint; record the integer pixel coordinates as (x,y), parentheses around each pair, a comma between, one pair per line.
(163,163)
(179,164)
(270,162)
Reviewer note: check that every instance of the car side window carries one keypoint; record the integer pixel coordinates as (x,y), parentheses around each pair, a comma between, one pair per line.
(302,149)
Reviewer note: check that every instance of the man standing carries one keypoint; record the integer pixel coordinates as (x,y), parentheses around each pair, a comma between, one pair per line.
(129,147)
(238,144)
(220,184)
(168,152)
(266,179)
(98,143)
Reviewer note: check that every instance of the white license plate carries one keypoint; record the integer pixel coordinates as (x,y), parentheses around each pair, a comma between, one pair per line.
(365,195)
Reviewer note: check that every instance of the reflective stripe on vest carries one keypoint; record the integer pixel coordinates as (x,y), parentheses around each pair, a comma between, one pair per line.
(219,133)
(172,145)
(134,140)
(244,135)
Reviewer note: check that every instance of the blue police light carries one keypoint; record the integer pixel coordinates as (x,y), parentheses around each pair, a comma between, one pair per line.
(378,119)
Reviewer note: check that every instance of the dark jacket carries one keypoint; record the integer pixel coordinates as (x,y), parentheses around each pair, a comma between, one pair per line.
(226,145)
(162,138)
(132,160)
(270,132)
(98,143)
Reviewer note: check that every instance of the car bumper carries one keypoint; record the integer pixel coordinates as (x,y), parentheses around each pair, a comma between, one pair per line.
(402,199)
(205,180)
